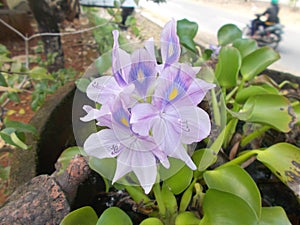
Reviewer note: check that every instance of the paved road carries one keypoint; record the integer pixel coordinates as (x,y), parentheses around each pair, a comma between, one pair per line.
(211,19)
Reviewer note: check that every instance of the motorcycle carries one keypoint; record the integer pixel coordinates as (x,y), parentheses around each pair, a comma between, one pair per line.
(265,36)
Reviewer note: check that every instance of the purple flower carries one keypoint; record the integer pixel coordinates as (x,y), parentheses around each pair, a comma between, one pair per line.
(133,152)
(150,111)
(173,117)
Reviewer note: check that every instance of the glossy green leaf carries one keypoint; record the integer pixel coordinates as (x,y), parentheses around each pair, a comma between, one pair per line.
(236,181)
(82,216)
(185,199)
(169,200)
(247,92)
(17,141)
(187,218)
(245,46)
(226,75)
(10,137)
(228,33)
(151,221)
(203,158)
(66,156)
(105,167)
(273,216)
(21,127)
(226,209)
(187,30)
(40,73)
(180,181)
(283,159)
(175,166)
(268,108)
(258,61)
(114,215)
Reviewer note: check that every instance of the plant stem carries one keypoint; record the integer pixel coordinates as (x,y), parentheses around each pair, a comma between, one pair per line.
(158,198)
(253,135)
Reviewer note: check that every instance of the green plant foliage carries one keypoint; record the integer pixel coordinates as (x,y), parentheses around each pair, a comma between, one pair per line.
(82,216)
(274,216)
(114,215)
(105,167)
(245,46)
(179,181)
(236,181)
(187,218)
(228,33)
(254,90)
(151,221)
(266,109)
(227,76)
(283,160)
(187,31)
(227,209)
(40,73)
(169,200)
(13,133)
(204,158)
(257,61)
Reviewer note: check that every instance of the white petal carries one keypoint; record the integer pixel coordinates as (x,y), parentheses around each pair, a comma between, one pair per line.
(102,144)
(144,167)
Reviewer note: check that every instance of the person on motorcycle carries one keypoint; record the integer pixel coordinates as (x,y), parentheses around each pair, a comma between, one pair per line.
(272,17)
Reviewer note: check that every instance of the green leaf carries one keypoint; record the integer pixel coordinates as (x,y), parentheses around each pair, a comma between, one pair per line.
(175,166)
(268,108)
(187,218)
(283,159)
(180,181)
(114,215)
(204,158)
(105,167)
(258,61)
(82,84)
(2,81)
(169,200)
(85,216)
(17,141)
(245,46)
(10,136)
(40,73)
(66,156)
(187,31)
(21,127)
(236,181)
(247,92)
(103,63)
(227,75)
(151,221)
(226,209)
(273,216)
(228,33)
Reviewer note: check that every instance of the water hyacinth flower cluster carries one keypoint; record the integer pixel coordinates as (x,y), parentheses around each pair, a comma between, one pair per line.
(149,110)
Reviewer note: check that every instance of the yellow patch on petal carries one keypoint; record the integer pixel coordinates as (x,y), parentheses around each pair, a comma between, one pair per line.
(125,122)
(173,94)
(140,75)
(171,49)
